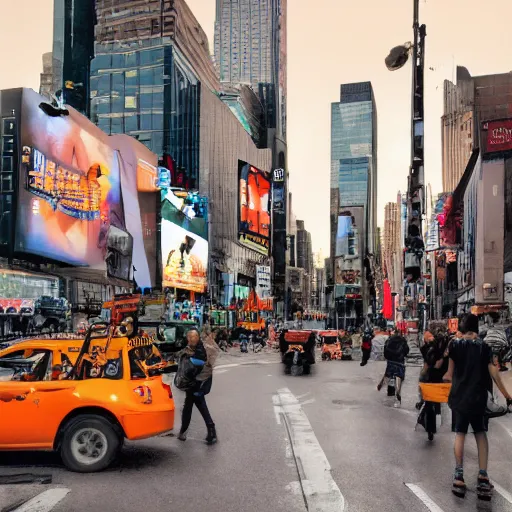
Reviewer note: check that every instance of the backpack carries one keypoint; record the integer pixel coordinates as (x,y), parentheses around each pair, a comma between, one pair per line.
(185,378)
(394,349)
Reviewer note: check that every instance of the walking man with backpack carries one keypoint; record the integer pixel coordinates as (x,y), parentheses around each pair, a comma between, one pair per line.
(396,350)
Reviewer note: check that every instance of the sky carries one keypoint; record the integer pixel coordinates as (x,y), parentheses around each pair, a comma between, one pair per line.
(344,42)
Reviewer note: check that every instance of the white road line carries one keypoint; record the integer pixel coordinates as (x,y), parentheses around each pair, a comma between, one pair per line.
(424,497)
(233,365)
(45,501)
(318,486)
(503,492)
(507,429)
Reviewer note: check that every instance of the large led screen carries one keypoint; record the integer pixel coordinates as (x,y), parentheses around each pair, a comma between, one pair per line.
(70,204)
(254,193)
(184,242)
(342,235)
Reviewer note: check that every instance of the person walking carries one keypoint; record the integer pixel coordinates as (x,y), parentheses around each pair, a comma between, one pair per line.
(435,366)
(396,350)
(202,354)
(366,346)
(471,371)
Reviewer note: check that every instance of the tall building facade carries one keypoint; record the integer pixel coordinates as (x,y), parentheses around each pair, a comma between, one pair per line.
(250,49)
(467,103)
(244,41)
(73,49)
(354,200)
(392,246)
(146,78)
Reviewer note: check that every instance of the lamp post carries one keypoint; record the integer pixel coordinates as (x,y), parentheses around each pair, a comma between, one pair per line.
(414,245)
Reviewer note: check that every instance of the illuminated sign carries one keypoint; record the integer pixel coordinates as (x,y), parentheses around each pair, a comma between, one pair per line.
(499,135)
(278,175)
(254,208)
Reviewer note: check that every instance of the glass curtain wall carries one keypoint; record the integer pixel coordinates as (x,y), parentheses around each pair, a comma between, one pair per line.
(150,94)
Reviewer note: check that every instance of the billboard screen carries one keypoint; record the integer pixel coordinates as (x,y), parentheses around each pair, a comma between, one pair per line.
(70,204)
(342,235)
(184,242)
(254,213)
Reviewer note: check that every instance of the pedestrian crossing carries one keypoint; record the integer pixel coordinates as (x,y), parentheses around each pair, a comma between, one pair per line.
(43,502)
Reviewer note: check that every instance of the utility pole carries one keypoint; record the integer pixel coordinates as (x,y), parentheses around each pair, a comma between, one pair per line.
(414,245)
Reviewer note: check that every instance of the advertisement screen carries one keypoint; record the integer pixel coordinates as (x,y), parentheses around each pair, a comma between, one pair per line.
(254,193)
(184,242)
(342,235)
(70,204)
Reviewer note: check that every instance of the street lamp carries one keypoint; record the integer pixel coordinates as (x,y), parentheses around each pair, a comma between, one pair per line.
(398,56)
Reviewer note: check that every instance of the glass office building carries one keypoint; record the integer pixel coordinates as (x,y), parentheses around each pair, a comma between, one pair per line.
(73,49)
(354,153)
(354,193)
(146,89)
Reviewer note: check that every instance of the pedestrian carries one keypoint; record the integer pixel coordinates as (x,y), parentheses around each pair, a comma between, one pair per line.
(202,354)
(366,346)
(471,371)
(435,366)
(396,350)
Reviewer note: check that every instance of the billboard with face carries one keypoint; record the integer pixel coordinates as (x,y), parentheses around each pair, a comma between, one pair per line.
(184,241)
(254,217)
(70,204)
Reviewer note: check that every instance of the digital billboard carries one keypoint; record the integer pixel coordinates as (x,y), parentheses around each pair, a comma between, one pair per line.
(184,244)
(254,208)
(342,235)
(70,207)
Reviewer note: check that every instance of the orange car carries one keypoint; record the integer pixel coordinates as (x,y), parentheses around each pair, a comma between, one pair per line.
(47,402)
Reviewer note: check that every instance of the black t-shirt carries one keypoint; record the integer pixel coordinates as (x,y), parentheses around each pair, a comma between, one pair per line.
(471,377)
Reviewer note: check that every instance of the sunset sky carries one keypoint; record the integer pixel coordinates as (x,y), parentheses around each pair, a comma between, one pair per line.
(343,42)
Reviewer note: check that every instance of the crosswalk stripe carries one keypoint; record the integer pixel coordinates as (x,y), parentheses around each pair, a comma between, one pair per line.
(424,497)
(45,501)
(503,492)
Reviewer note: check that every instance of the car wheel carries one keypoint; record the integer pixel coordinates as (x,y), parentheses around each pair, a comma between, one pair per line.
(89,443)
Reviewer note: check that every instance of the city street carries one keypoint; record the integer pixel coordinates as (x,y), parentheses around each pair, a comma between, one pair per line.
(324,442)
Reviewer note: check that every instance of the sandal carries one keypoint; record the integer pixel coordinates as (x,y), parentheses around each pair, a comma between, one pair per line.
(484,488)
(459,487)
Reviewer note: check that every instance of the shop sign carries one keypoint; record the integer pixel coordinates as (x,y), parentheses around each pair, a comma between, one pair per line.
(499,135)
(263,280)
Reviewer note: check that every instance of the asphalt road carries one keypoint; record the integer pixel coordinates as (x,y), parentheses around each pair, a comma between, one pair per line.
(324,442)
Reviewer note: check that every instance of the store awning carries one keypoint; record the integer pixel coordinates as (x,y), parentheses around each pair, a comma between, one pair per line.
(483,309)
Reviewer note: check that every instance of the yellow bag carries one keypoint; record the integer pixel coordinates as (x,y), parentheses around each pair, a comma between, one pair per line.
(435,392)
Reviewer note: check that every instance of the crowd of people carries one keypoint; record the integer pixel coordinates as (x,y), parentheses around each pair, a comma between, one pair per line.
(467,363)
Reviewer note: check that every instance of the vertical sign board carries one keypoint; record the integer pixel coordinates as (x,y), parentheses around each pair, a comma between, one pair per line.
(279,243)
(263,281)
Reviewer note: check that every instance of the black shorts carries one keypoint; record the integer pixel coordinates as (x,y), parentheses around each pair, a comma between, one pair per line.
(461,422)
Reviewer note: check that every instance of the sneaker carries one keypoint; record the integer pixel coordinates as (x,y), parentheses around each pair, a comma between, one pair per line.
(182,436)
(398,404)
(430,436)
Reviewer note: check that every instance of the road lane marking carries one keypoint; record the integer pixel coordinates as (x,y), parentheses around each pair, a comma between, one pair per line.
(320,491)
(504,493)
(45,501)
(424,498)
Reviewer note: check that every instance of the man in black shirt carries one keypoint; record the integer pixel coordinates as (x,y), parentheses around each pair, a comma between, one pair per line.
(471,370)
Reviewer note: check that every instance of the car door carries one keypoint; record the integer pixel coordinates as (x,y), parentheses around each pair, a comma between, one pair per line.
(31,406)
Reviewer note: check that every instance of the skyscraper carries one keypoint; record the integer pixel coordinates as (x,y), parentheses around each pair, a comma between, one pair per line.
(354,198)
(243,41)
(73,49)
(147,74)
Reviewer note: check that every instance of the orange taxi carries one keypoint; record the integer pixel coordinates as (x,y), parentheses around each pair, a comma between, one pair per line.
(56,395)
